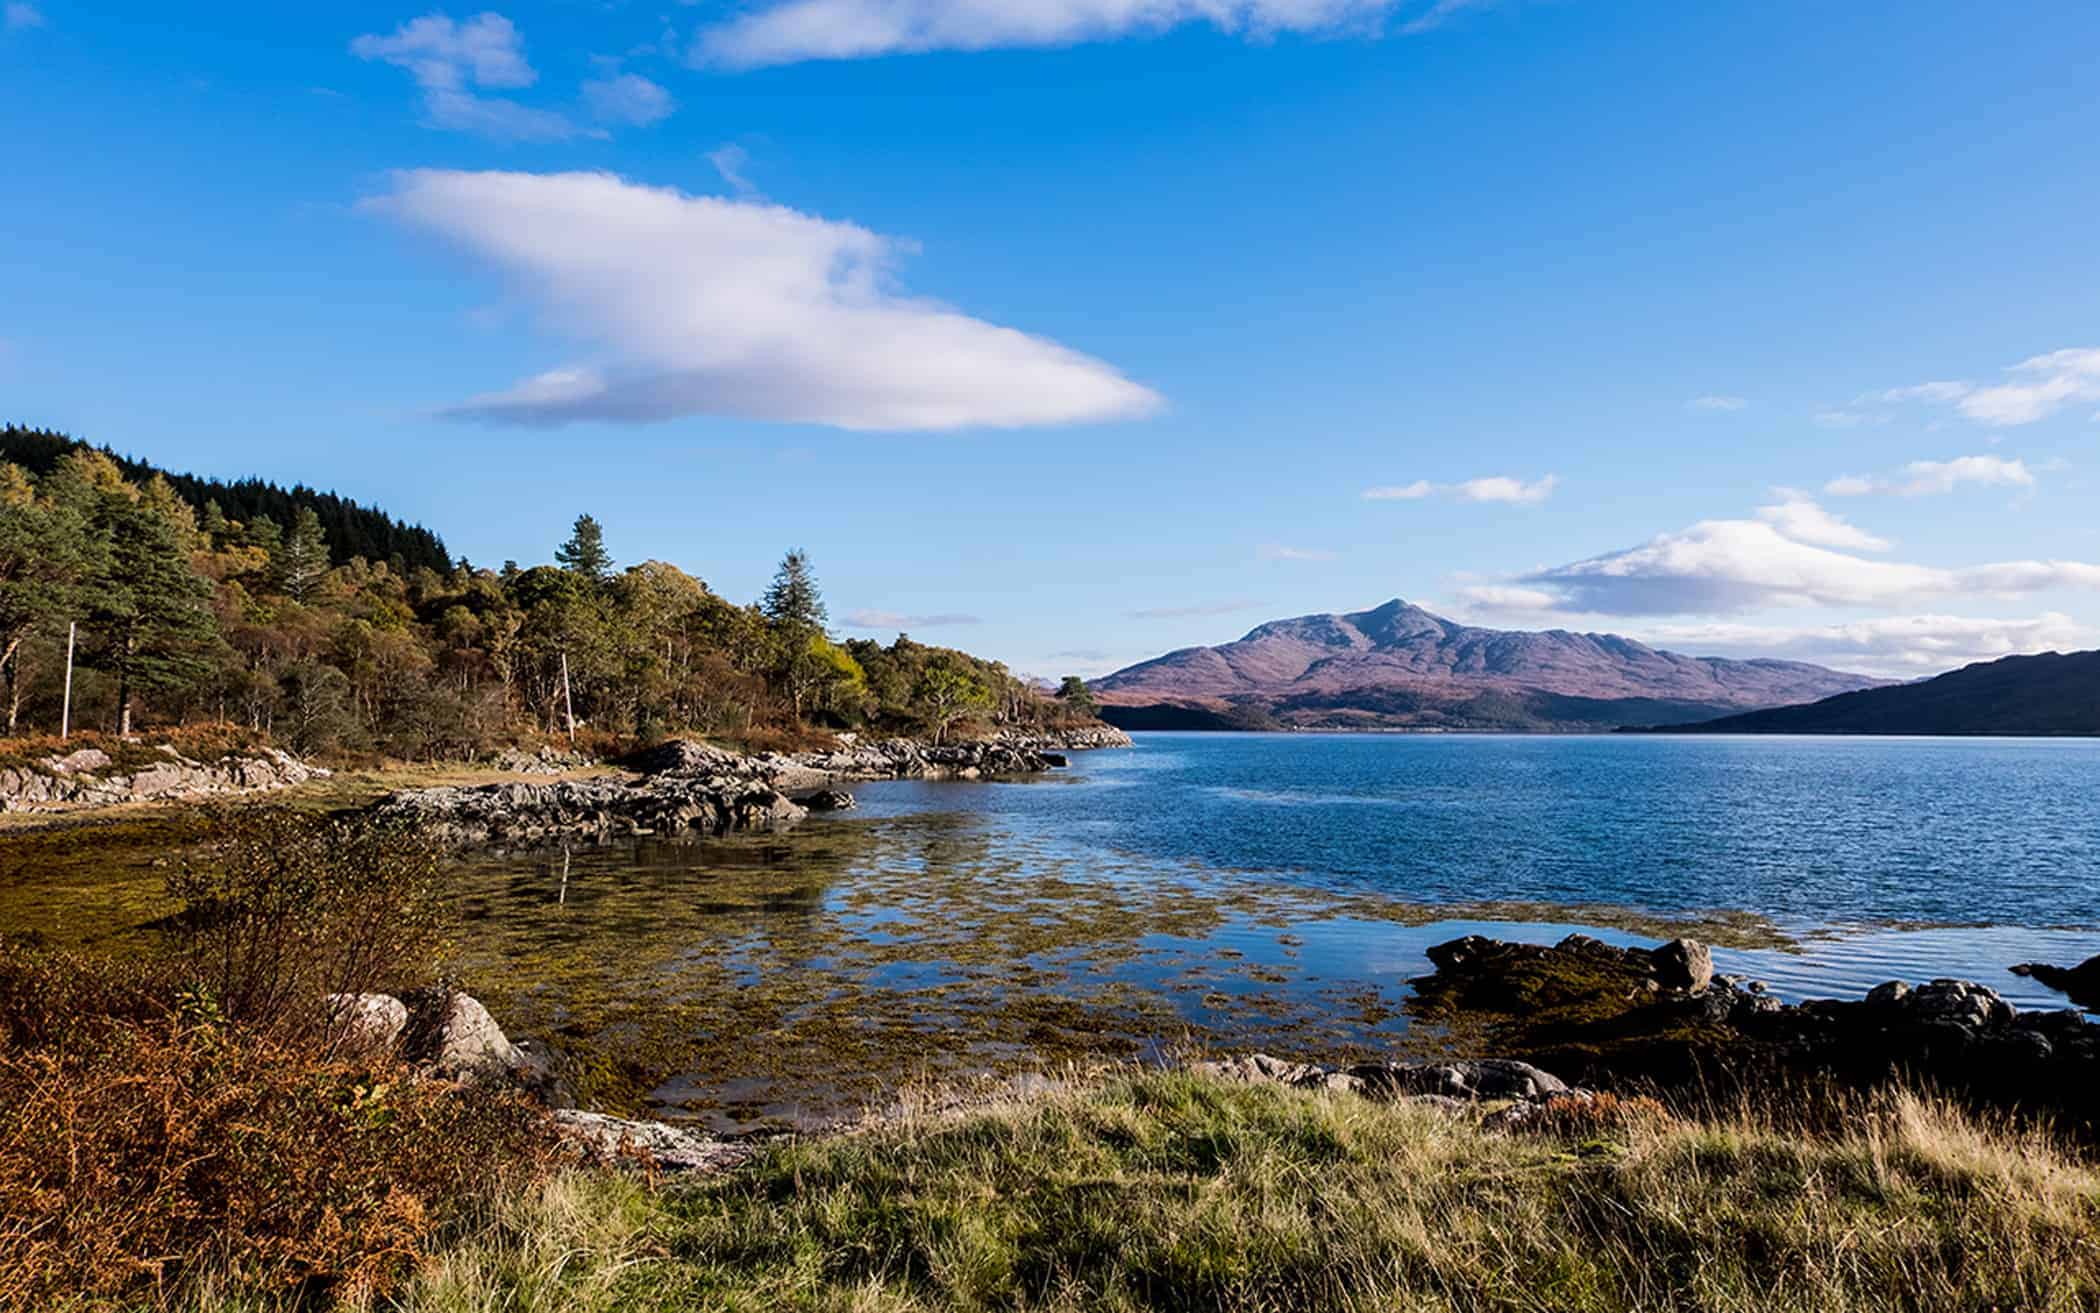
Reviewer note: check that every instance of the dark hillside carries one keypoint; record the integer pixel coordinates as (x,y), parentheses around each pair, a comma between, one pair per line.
(353,530)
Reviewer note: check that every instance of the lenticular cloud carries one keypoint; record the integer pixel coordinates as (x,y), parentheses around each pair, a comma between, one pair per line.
(699,305)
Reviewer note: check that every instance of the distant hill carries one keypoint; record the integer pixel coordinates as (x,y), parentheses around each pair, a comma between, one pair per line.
(1401,667)
(2050,694)
(353,530)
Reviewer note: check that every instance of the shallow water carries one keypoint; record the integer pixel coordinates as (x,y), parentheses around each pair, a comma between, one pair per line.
(1235,892)
(1255,891)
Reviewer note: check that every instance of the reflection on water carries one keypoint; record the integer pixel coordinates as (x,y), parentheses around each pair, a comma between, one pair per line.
(956,927)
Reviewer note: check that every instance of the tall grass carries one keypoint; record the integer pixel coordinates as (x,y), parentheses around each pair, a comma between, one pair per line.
(1159,1192)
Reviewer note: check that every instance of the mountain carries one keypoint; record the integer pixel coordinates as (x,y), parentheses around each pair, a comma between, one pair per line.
(352,530)
(1399,666)
(2043,695)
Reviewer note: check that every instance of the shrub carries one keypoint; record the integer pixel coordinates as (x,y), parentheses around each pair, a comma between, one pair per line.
(281,909)
(148,1143)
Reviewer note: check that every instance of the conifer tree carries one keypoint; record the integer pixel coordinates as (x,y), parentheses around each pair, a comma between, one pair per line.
(150,611)
(585,553)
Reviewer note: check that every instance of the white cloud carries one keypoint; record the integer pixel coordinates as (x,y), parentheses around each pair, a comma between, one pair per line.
(899,621)
(1716,403)
(1495,488)
(628,98)
(1897,646)
(1944,391)
(2041,386)
(1280,552)
(1805,522)
(1508,598)
(2035,389)
(1415,491)
(788,31)
(1925,478)
(1499,489)
(450,60)
(702,305)
(21,16)
(1719,567)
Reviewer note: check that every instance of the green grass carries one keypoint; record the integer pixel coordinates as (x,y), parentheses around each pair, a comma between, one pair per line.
(1160,1192)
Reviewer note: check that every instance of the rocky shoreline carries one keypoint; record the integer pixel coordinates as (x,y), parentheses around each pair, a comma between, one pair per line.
(1661,1018)
(1579,1022)
(89,777)
(686,788)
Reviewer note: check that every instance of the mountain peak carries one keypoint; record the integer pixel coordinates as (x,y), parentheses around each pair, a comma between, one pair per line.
(1398,665)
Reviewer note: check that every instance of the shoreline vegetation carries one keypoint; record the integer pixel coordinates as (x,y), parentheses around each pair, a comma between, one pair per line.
(241,1122)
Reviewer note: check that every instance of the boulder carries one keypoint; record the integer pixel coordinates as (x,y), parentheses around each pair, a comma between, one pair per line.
(1484,1078)
(2081,984)
(454,1035)
(618,1141)
(1684,964)
(1962,1002)
(371,1022)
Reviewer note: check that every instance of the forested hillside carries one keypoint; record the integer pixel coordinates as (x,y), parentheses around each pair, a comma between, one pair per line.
(189,613)
(353,531)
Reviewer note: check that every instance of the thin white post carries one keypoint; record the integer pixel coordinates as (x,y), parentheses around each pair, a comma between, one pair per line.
(568,707)
(65,715)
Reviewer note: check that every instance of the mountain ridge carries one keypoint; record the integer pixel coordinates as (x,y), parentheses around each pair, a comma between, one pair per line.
(1398,665)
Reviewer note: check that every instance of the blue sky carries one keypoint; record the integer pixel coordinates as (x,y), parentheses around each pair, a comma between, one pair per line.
(1072,331)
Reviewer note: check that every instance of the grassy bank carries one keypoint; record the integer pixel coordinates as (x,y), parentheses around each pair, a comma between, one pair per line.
(1179,1192)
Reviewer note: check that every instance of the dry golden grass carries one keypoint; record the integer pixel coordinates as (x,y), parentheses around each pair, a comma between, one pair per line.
(1163,1192)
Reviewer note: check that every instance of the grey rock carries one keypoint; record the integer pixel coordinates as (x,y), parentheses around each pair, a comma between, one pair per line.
(1683,964)
(616,1140)
(1483,1078)
(1961,1001)
(371,1022)
(1889,993)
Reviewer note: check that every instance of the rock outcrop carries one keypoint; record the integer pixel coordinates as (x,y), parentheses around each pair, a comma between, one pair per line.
(2080,984)
(89,777)
(1603,1013)
(602,808)
(1440,1084)
(1004,754)
(618,1142)
(685,787)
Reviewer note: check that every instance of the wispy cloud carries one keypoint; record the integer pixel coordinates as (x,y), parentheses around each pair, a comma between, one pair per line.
(2032,390)
(627,98)
(1925,478)
(899,620)
(453,63)
(1281,552)
(1186,612)
(790,31)
(21,16)
(729,161)
(1716,403)
(1495,488)
(702,305)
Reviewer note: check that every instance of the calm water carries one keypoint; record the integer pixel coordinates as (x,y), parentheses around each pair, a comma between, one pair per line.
(1265,891)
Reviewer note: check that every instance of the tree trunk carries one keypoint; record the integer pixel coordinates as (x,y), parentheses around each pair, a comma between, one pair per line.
(124,692)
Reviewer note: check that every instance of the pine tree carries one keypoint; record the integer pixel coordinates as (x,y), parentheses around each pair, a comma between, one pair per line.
(151,612)
(585,553)
(1076,695)
(792,601)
